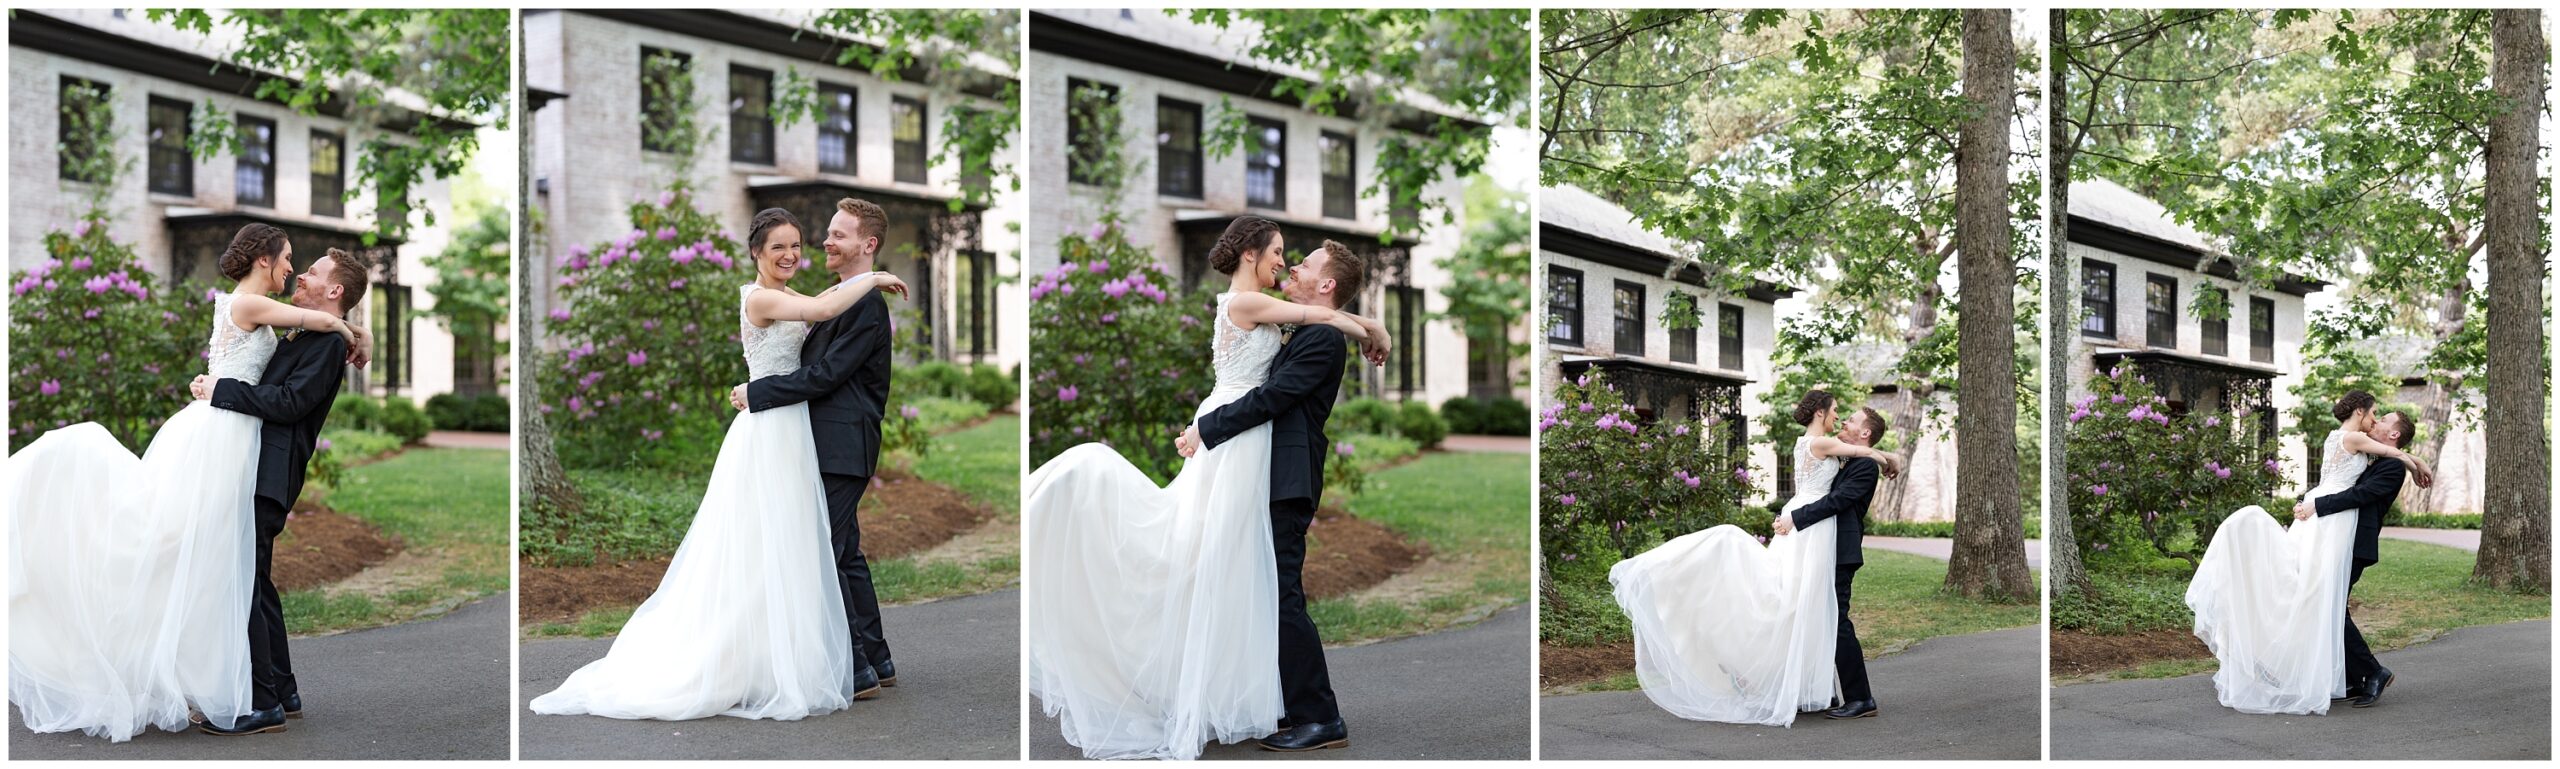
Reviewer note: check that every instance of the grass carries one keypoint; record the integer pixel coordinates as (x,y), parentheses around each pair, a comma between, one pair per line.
(450,505)
(644,513)
(2415,594)
(1473,510)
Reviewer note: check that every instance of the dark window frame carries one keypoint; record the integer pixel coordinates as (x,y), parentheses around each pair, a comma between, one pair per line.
(1684,341)
(329,191)
(746,130)
(1178,171)
(2262,339)
(243,162)
(1729,336)
(909,158)
(647,53)
(2217,333)
(1623,324)
(1278,152)
(2160,322)
(2100,307)
(1079,170)
(850,133)
(1341,193)
(158,155)
(1405,319)
(1573,313)
(62,123)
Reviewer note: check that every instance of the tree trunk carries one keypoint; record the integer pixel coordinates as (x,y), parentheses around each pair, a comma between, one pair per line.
(547,493)
(2062,313)
(1908,416)
(1989,559)
(2515,530)
(2435,407)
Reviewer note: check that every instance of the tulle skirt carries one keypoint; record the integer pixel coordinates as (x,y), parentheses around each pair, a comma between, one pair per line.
(2272,604)
(748,621)
(1154,625)
(129,578)
(1730,631)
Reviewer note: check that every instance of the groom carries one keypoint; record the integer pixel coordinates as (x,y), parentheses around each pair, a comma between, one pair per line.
(293,395)
(2370,498)
(1296,400)
(844,377)
(1851,491)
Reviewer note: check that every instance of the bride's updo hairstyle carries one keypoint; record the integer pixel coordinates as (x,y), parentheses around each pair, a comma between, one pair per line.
(254,242)
(2350,403)
(1815,404)
(1245,235)
(763,225)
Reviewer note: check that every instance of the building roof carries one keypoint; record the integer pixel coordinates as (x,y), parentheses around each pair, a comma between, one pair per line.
(157,50)
(2109,216)
(1575,222)
(1157,43)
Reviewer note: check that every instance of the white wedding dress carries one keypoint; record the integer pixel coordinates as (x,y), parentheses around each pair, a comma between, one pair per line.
(2271,601)
(748,621)
(1730,631)
(1152,620)
(129,577)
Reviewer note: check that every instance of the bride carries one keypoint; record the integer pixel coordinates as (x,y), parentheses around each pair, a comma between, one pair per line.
(748,621)
(1730,631)
(1153,610)
(2271,601)
(129,577)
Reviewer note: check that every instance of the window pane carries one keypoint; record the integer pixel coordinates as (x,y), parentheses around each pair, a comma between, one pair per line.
(1178,148)
(328,174)
(1266,180)
(1089,106)
(907,139)
(750,115)
(1341,194)
(254,169)
(1564,305)
(835,129)
(171,170)
(1729,336)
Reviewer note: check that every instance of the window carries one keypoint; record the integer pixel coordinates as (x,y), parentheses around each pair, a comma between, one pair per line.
(1091,121)
(1406,313)
(1177,148)
(750,115)
(1266,180)
(2217,333)
(1626,310)
(1564,305)
(389,307)
(328,174)
(255,173)
(1684,341)
(665,81)
(1729,336)
(2262,329)
(391,204)
(835,128)
(975,335)
(172,170)
(2097,299)
(83,104)
(906,138)
(1341,190)
(2160,310)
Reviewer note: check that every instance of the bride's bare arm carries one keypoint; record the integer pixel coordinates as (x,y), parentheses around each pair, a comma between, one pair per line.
(1250,309)
(769,306)
(258,310)
(2365,444)
(1827,446)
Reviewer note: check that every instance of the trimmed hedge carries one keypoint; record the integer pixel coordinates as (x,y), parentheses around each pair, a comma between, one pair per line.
(471,413)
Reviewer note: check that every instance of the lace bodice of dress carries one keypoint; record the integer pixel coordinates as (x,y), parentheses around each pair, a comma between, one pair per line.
(2338,466)
(1813,476)
(1241,357)
(233,353)
(771,350)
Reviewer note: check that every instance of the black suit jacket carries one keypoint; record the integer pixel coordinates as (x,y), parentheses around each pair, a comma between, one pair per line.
(293,395)
(1296,400)
(1851,491)
(2372,495)
(844,377)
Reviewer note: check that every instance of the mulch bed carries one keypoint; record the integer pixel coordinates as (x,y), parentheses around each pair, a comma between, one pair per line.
(1568,665)
(901,514)
(1346,554)
(2078,654)
(320,546)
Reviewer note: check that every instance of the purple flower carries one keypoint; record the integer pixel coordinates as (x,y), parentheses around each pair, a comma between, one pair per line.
(1742,474)
(1345,448)
(667,198)
(2272,467)
(1115,289)
(1067,394)
(50,387)
(80,230)
(651,435)
(2117,398)
(909,412)
(1099,266)
(2079,414)
(1567,500)
(80,263)
(97,285)
(666,233)
(676,285)
(2100,489)
(324,444)
(1110,317)
(640,358)
(560,313)
(1098,230)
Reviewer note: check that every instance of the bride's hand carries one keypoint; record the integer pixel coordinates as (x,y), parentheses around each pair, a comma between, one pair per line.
(359,345)
(1188,443)
(1784,524)
(2304,511)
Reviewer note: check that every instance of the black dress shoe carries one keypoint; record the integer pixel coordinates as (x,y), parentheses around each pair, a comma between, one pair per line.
(1300,738)
(2373,686)
(252,722)
(293,705)
(1835,702)
(887,671)
(866,683)
(1859,709)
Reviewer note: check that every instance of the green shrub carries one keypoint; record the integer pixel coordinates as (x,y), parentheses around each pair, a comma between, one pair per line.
(2140,476)
(992,386)
(95,338)
(1419,424)
(474,413)
(930,379)
(1505,416)
(1375,450)
(1348,472)
(937,414)
(1606,479)
(1118,354)
(1463,414)
(358,412)
(349,445)
(1363,415)
(401,417)
(2469,521)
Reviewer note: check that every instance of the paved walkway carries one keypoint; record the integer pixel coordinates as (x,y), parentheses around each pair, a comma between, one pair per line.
(435,689)
(2478,692)
(1943,549)
(959,696)
(1489,444)
(2467,539)
(1453,695)
(451,439)
(1973,696)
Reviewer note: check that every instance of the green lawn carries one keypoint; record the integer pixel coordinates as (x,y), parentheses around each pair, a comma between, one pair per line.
(450,505)
(2416,593)
(1473,510)
(641,513)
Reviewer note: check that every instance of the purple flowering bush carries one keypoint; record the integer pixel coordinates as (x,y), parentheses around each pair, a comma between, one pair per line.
(1608,481)
(95,338)
(1119,354)
(2140,474)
